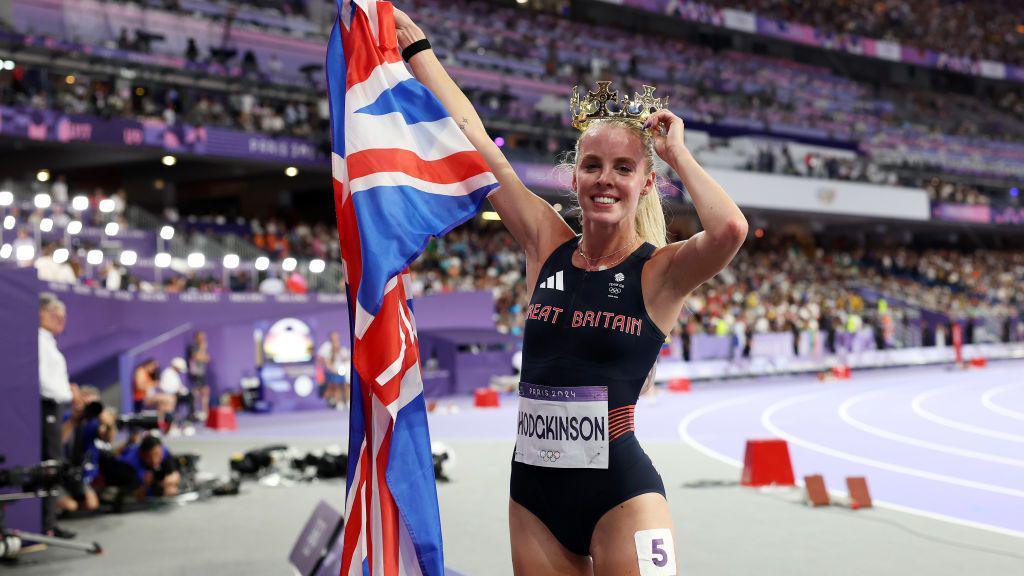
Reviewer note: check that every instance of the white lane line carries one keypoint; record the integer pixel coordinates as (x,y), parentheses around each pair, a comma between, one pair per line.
(986,400)
(844,414)
(766,421)
(684,426)
(918,405)
(690,418)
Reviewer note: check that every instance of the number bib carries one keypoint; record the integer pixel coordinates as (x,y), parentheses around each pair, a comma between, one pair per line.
(562,427)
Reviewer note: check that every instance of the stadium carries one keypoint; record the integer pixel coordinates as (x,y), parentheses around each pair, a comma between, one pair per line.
(310,287)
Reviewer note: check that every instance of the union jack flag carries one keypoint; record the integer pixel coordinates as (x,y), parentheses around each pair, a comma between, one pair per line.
(403,172)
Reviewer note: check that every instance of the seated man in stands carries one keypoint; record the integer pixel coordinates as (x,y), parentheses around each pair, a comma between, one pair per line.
(154,467)
(146,394)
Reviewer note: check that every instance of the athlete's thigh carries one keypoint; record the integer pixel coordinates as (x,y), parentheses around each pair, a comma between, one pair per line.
(615,546)
(536,551)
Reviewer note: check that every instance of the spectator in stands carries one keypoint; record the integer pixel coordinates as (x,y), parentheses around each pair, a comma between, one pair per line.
(49,270)
(198,355)
(156,471)
(56,390)
(272,285)
(59,190)
(22,242)
(192,51)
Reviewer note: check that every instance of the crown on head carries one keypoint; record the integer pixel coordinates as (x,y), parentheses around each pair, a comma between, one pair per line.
(605,103)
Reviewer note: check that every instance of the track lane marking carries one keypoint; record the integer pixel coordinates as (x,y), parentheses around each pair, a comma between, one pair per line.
(986,400)
(766,421)
(687,438)
(844,414)
(917,405)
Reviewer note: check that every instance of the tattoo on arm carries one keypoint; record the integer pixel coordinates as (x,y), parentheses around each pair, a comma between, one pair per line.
(463,124)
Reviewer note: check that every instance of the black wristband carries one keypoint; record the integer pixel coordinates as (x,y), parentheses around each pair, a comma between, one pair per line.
(415,48)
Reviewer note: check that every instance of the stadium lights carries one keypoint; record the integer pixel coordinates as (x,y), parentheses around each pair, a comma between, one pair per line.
(42,201)
(489,215)
(74,227)
(61,255)
(291,171)
(7,64)
(6,198)
(262,263)
(129,257)
(43,175)
(46,224)
(316,266)
(25,253)
(69,79)
(107,205)
(80,203)
(9,222)
(196,260)
(167,232)
(231,261)
(169,160)
(5,251)
(111,229)
(289,264)
(162,260)
(557,206)
(94,257)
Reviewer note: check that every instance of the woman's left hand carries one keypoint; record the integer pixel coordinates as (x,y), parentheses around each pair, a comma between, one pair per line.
(667,130)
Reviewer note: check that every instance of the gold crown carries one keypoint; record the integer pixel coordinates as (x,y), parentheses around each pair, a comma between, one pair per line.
(605,103)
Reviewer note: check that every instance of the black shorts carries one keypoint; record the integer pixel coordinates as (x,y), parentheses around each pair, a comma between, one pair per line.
(570,501)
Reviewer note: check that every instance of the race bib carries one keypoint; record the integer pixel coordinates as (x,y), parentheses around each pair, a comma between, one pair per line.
(562,427)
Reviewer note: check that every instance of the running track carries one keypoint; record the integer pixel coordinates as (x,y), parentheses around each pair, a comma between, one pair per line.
(932,441)
(936,442)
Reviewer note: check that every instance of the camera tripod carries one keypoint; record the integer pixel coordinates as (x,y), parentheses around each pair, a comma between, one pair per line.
(11,540)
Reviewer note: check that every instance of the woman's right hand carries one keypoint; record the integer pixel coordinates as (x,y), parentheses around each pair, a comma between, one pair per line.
(408,31)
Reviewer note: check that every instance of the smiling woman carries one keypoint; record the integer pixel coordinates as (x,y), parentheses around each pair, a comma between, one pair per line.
(601,305)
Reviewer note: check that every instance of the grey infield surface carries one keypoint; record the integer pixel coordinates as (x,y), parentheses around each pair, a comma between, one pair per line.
(721,529)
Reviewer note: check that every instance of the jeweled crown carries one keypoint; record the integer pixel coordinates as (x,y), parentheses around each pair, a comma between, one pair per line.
(605,103)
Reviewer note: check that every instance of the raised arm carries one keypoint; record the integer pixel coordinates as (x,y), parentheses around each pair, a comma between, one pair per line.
(699,258)
(534,224)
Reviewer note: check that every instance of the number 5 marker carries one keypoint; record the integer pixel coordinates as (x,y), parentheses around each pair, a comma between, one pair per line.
(655,552)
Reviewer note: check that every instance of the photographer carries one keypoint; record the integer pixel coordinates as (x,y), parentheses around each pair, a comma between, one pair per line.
(55,390)
(85,426)
(154,467)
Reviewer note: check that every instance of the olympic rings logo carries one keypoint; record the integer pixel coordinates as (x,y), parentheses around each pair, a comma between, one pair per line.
(550,455)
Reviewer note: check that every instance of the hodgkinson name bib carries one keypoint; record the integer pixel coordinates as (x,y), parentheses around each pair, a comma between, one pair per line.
(562,427)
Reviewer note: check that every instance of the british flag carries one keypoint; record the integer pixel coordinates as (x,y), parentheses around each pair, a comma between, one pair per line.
(403,172)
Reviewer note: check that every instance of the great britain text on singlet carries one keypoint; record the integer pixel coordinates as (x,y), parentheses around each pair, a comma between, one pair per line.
(552,427)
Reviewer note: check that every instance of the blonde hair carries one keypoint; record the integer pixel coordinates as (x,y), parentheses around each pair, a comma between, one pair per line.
(649,222)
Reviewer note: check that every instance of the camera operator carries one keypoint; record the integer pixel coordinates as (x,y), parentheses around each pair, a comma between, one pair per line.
(55,390)
(155,468)
(82,431)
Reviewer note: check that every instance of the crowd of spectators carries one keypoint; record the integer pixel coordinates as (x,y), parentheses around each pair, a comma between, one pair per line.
(705,85)
(787,286)
(983,29)
(113,97)
(803,285)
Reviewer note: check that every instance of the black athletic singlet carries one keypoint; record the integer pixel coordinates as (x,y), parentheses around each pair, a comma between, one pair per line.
(585,330)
